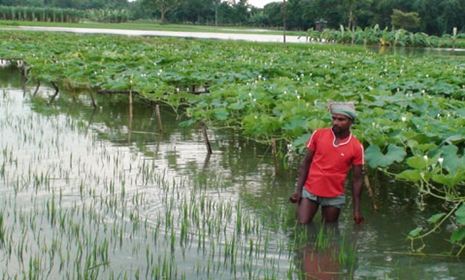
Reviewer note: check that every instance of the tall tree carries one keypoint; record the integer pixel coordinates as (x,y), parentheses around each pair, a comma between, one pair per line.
(217,2)
(224,13)
(407,21)
(296,11)
(163,6)
(382,11)
(198,11)
(240,12)
(453,15)
(349,10)
(351,24)
(430,11)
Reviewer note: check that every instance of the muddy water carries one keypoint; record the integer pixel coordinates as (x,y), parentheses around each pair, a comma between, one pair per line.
(91,193)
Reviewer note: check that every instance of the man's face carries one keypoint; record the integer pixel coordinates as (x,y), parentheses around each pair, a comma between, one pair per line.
(341,123)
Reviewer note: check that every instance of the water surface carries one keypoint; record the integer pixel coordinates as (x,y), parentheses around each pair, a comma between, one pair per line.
(91,193)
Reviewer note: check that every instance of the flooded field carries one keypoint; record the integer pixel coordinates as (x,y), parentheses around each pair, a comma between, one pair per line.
(93,193)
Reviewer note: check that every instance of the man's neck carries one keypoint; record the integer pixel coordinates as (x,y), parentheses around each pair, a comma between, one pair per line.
(340,136)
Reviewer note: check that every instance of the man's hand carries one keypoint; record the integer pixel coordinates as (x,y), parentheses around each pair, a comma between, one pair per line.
(295,197)
(358,218)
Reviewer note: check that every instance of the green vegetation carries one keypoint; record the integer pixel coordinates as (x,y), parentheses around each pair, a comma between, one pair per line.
(432,17)
(58,15)
(411,108)
(40,14)
(377,37)
(77,205)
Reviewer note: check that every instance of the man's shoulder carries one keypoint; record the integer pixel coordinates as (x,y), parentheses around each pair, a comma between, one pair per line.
(321,133)
(356,144)
(355,140)
(322,130)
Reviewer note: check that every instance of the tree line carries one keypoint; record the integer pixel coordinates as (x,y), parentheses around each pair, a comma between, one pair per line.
(434,17)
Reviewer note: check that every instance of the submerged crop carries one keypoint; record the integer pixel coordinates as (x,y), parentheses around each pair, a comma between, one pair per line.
(406,97)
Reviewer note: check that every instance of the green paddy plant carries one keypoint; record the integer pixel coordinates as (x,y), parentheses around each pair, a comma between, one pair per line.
(409,107)
(347,255)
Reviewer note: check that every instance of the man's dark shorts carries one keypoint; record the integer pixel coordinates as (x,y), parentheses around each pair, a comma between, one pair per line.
(337,201)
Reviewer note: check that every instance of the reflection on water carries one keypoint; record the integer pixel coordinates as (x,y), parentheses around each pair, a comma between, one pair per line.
(88,192)
(324,253)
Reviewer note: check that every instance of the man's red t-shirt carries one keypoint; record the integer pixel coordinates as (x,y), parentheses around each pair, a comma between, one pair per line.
(331,162)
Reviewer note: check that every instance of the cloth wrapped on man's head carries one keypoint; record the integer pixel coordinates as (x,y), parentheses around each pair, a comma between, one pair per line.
(343,108)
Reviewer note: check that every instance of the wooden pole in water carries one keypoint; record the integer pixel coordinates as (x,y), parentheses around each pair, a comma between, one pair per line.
(37,88)
(273,149)
(205,137)
(370,190)
(157,109)
(130,104)
(130,116)
(91,96)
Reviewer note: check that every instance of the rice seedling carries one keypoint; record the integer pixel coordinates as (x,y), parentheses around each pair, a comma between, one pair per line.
(77,202)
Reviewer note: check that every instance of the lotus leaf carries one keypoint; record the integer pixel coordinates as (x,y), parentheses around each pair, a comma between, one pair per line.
(239,105)
(451,161)
(419,162)
(455,139)
(375,158)
(295,124)
(300,141)
(315,123)
(412,175)
(450,180)
(221,114)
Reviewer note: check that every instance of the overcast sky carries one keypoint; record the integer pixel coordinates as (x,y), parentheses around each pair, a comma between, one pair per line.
(256,3)
(261,3)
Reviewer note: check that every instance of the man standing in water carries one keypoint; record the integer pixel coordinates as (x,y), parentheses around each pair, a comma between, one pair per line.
(331,153)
